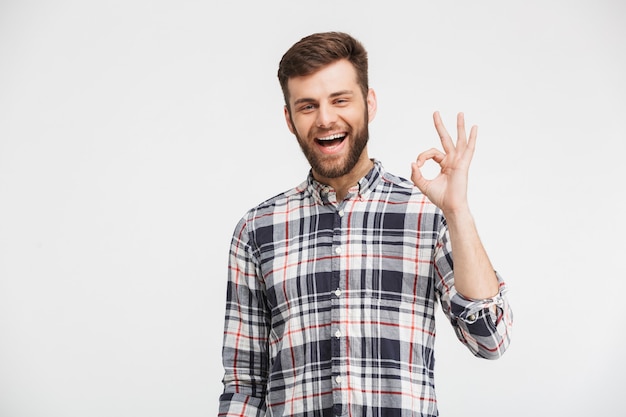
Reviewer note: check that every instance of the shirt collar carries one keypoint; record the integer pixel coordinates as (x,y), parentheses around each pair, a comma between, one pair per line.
(325,194)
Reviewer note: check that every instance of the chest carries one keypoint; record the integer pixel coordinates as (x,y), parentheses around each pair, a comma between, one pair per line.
(307,259)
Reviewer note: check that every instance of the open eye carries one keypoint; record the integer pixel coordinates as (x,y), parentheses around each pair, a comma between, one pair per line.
(306,108)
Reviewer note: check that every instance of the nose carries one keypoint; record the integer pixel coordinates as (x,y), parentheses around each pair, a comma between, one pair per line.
(326,116)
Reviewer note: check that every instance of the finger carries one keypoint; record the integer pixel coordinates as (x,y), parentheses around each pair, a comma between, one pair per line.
(471,143)
(418,178)
(433,153)
(461,139)
(444,136)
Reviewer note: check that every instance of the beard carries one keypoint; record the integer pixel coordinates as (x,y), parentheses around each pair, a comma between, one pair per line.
(331,166)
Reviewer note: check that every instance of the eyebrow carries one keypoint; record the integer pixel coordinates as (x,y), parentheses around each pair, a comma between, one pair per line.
(333,95)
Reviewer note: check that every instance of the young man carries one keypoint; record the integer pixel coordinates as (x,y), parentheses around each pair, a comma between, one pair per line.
(333,285)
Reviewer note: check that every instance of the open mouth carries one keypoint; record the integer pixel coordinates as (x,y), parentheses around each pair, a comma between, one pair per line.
(331,140)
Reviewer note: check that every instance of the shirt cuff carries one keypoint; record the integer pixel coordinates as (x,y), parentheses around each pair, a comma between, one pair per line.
(470,310)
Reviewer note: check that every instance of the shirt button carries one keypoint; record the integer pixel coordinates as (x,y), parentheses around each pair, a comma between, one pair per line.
(338,334)
(337,292)
(338,250)
(339,379)
(471,317)
(341,213)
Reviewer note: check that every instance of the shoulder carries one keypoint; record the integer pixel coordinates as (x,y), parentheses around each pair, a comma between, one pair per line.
(265,211)
(392,180)
(402,189)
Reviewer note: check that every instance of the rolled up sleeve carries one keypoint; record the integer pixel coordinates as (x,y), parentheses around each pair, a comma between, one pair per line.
(484,326)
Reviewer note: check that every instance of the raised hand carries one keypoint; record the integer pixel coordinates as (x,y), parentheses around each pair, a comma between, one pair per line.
(448,190)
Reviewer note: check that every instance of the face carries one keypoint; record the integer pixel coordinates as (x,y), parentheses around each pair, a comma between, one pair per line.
(330,117)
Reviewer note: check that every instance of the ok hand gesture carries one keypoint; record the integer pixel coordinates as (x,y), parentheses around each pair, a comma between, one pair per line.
(448,190)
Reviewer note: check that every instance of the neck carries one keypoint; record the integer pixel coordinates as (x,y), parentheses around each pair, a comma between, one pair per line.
(342,184)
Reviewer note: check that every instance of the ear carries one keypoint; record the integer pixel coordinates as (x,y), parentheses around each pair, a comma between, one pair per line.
(288,120)
(371,105)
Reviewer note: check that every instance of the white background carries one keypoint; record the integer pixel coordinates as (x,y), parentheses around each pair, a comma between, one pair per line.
(134,134)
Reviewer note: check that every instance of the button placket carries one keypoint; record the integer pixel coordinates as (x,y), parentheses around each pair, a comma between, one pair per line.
(338,310)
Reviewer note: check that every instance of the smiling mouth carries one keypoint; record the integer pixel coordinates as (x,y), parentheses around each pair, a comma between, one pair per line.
(331,140)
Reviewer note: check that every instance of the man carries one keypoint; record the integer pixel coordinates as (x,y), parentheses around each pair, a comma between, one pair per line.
(333,285)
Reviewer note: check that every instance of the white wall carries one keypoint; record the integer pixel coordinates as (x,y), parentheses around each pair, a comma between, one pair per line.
(134,134)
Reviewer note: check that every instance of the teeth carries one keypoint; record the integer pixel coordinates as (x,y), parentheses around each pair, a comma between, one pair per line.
(333,137)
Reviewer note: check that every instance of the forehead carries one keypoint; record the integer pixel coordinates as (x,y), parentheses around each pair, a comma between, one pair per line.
(337,76)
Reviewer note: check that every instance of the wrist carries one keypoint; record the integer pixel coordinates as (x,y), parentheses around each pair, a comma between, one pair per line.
(460,213)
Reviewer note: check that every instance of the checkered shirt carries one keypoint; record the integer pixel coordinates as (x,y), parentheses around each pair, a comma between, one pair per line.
(331,305)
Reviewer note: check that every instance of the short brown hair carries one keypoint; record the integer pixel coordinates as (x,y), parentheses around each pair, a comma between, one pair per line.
(315,51)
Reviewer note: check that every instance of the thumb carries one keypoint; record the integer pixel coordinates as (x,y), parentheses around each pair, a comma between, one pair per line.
(416,176)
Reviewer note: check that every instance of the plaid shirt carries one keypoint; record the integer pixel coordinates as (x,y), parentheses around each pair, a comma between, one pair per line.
(331,305)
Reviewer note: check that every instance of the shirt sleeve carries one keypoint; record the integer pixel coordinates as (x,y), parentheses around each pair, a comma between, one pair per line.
(246,327)
(483,326)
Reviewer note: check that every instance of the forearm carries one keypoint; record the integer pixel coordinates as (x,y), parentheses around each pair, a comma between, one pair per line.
(474,275)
